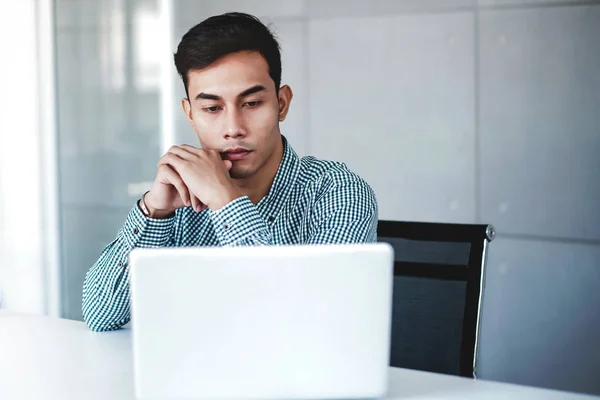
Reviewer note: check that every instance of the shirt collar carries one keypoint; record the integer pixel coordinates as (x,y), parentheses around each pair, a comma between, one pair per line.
(270,206)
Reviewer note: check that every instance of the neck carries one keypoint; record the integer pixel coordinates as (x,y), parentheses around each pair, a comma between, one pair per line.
(257,186)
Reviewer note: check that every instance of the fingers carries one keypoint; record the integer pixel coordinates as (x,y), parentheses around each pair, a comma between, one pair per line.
(174,179)
(195,169)
(190,149)
(176,164)
(184,152)
(194,151)
(173,160)
(187,197)
(179,162)
(191,153)
(195,203)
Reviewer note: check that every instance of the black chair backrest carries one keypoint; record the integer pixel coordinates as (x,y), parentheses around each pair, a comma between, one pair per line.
(438,283)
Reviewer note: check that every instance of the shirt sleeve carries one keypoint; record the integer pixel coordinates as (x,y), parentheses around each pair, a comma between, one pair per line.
(238,223)
(106,300)
(345,212)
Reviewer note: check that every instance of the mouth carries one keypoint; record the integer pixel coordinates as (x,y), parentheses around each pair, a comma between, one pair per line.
(235,154)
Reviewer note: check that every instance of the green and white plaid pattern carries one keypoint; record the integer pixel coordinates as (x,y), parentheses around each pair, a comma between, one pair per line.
(310,202)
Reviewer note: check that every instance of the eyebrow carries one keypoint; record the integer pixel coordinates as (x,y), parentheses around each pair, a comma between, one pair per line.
(247,92)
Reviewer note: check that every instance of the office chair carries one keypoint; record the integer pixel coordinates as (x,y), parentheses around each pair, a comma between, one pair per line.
(439,272)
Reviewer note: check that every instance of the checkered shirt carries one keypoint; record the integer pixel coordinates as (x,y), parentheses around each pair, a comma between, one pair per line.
(311,201)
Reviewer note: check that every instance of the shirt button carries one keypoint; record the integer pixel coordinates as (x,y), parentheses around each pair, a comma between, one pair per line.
(120,264)
(271,219)
(136,231)
(226,227)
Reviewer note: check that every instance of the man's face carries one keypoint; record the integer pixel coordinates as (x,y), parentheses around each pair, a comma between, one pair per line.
(233,108)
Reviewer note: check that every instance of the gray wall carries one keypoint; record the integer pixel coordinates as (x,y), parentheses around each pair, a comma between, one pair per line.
(454,111)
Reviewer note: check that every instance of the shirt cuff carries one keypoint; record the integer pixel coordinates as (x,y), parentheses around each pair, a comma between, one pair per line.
(236,221)
(142,231)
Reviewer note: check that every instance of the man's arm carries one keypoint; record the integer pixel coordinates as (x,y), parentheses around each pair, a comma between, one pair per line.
(106,299)
(345,212)
(105,302)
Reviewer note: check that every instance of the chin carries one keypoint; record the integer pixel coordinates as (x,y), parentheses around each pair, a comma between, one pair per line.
(240,173)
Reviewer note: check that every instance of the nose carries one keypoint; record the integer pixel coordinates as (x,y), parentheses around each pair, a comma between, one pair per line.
(234,126)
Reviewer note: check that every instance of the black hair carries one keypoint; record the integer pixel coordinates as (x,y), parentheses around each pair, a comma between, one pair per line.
(224,34)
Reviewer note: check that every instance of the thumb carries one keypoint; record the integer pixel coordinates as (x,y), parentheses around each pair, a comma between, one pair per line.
(228,164)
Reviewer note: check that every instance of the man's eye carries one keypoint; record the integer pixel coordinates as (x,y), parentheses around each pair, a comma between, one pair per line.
(253,103)
(212,109)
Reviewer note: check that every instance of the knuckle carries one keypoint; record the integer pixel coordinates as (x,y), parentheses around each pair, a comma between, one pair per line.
(184,165)
(165,172)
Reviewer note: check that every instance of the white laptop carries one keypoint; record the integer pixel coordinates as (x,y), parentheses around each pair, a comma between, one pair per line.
(274,322)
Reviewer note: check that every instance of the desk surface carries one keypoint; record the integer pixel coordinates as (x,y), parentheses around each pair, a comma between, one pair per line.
(51,358)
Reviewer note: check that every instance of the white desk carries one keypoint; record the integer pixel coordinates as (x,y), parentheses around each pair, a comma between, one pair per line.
(51,358)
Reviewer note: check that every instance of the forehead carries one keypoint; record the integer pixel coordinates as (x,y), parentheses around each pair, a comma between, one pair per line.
(231,75)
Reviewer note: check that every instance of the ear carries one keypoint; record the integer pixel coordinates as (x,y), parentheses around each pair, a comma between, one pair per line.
(187,110)
(285,98)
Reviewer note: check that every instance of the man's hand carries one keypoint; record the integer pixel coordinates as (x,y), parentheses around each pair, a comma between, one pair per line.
(204,175)
(167,194)
(170,191)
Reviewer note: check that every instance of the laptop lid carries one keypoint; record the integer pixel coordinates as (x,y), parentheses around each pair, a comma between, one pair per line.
(274,322)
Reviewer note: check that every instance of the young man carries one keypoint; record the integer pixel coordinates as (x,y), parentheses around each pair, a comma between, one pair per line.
(245,185)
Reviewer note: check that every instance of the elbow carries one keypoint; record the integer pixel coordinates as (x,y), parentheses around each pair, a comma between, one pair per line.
(98,326)
(97,321)
(100,316)
(91,318)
